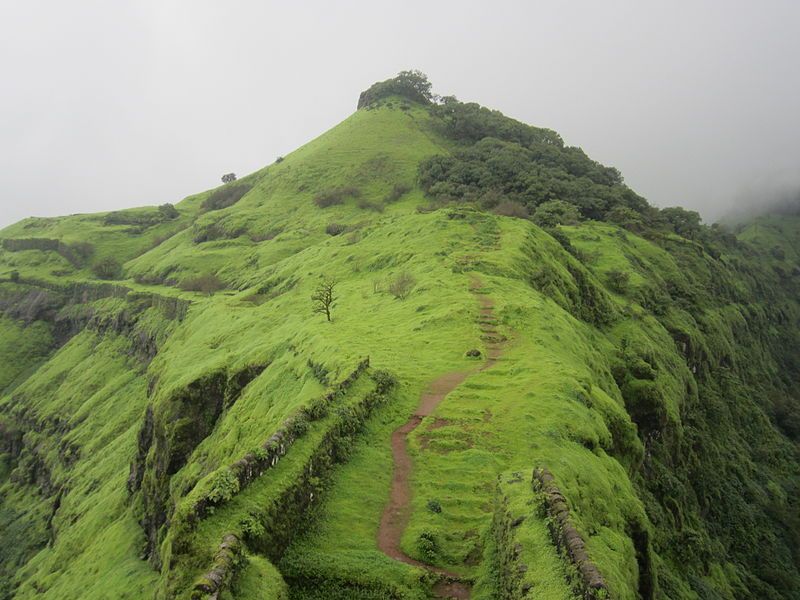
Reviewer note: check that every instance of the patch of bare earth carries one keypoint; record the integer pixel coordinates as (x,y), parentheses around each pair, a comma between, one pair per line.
(397,513)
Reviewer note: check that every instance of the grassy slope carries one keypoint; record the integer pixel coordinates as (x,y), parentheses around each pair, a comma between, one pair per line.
(98,403)
(551,401)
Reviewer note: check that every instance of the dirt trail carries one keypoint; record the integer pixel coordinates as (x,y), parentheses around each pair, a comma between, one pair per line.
(398,511)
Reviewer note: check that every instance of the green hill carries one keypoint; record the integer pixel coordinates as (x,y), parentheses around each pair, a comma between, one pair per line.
(176,420)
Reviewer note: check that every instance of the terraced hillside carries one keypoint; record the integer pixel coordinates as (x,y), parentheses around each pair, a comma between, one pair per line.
(533,384)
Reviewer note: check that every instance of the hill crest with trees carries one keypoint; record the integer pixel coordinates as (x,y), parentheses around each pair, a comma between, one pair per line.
(597,398)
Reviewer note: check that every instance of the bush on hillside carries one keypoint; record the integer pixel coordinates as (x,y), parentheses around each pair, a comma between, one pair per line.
(401,286)
(626,217)
(252,527)
(428,546)
(413,85)
(107,268)
(335,228)
(504,158)
(384,380)
(209,232)
(685,223)
(434,506)
(556,212)
(224,486)
(527,174)
(336,196)
(206,283)
(470,122)
(226,196)
(168,211)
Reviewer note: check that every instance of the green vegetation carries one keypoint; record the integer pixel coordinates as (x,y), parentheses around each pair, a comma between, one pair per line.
(198,426)
(412,85)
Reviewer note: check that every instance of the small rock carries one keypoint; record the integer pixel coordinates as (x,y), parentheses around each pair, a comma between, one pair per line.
(474,353)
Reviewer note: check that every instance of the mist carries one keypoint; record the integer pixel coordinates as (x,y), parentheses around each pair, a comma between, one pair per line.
(111,105)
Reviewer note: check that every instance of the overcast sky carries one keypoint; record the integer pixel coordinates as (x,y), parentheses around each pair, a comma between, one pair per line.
(108,104)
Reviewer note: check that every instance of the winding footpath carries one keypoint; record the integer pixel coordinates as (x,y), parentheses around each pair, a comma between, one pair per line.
(397,513)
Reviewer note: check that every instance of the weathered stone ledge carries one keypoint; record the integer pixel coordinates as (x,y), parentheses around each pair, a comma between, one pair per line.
(566,536)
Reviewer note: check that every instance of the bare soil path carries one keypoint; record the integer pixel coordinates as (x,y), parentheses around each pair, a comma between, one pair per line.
(397,513)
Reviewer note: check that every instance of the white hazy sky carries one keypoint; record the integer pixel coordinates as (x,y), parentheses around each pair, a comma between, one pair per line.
(112,103)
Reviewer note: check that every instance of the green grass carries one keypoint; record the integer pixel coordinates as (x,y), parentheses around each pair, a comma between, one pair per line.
(99,404)
(580,361)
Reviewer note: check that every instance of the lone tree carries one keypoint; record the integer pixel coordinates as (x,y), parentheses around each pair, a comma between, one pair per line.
(323,297)
(228,177)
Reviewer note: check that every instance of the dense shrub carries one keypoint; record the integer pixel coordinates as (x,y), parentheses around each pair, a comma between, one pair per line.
(434,506)
(226,196)
(107,268)
(428,546)
(555,212)
(224,486)
(470,122)
(207,283)
(413,85)
(384,380)
(530,175)
(626,218)
(684,222)
(504,158)
(168,211)
(252,527)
